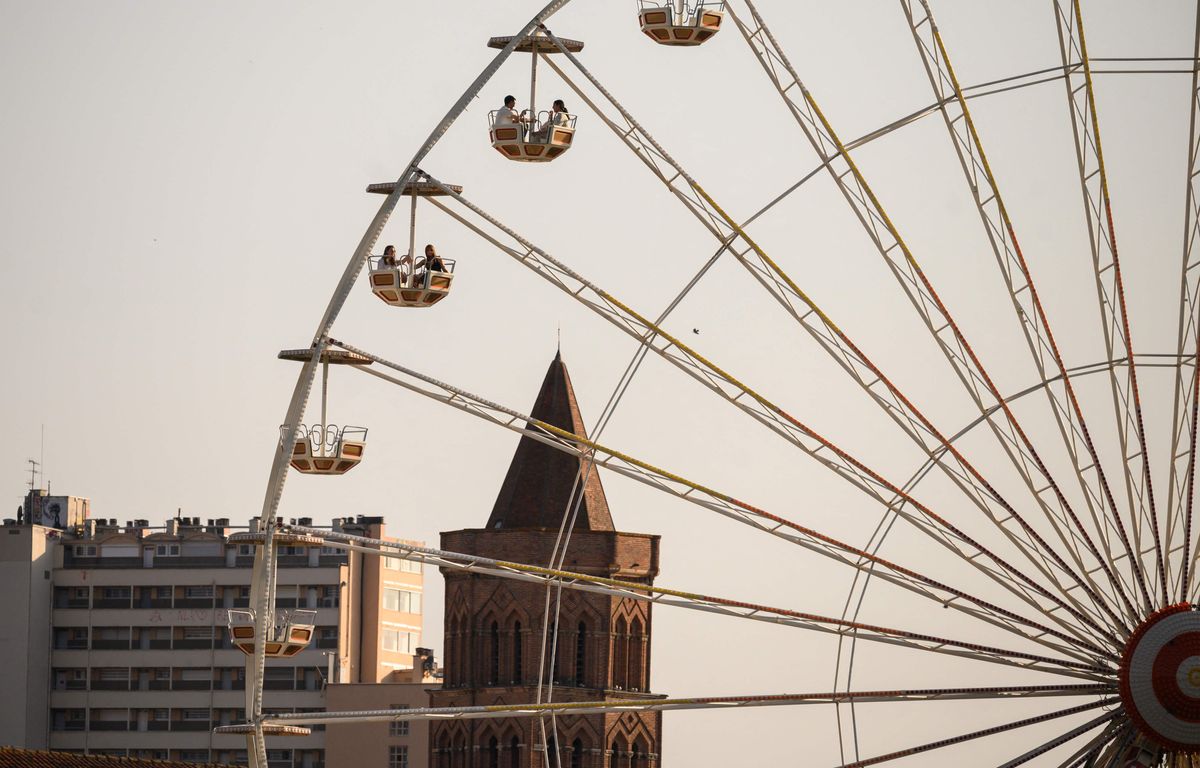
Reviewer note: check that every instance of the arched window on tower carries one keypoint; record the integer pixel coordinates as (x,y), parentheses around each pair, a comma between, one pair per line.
(514,753)
(620,646)
(493,753)
(636,654)
(452,653)
(460,752)
(635,755)
(494,654)
(577,754)
(443,760)
(518,674)
(581,655)
(615,754)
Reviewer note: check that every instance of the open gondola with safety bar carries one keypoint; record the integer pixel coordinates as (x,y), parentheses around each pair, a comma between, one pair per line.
(324,448)
(676,22)
(411,280)
(532,136)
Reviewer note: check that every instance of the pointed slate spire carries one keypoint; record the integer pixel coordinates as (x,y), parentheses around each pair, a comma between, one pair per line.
(537,489)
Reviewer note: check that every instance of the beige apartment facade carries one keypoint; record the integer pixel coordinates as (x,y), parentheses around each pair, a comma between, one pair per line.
(129,653)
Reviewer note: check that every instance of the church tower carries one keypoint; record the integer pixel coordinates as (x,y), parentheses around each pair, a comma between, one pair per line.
(494,627)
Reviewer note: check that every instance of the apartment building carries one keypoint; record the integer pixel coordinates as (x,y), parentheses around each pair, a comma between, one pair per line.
(129,654)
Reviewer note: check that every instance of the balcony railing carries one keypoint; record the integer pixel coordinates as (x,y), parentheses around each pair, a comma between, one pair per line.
(110,685)
(109,725)
(191,725)
(191,685)
(183,645)
(108,644)
(153,602)
(193,602)
(112,602)
(74,602)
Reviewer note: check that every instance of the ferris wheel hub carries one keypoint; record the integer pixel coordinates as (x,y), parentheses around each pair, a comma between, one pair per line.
(1160,677)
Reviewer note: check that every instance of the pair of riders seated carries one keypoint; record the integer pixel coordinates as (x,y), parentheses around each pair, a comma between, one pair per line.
(419,269)
(508,115)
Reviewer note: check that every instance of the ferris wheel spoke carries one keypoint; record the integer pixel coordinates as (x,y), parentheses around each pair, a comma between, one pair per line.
(834,341)
(1089,752)
(1187,374)
(1110,289)
(728,506)
(1021,288)
(734,391)
(912,279)
(1069,736)
(636,704)
(718,605)
(993,731)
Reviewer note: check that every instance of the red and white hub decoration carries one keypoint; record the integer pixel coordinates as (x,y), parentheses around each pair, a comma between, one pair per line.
(1160,678)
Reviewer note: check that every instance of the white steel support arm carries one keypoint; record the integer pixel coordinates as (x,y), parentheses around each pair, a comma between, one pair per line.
(758,407)
(912,279)
(833,340)
(482,712)
(1181,490)
(1028,310)
(726,505)
(457,561)
(1110,288)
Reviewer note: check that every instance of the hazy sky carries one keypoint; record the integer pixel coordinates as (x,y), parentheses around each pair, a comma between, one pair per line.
(183,184)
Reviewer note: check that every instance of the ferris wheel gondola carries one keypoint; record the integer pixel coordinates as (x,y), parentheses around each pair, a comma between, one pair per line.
(529,136)
(411,280)
(324,448)
(675,22)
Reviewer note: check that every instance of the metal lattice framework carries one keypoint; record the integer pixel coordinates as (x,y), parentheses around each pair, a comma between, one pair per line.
(1070,575)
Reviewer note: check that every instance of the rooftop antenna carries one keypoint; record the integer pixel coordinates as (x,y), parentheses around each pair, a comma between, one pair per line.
(34,466)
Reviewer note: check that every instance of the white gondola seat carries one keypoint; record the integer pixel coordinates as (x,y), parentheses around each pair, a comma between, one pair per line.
(398,286)
(538,141)
(664,24)
(331,450)
(293,634)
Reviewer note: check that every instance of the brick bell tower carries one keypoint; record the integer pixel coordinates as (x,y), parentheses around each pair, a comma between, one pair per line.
(493,626)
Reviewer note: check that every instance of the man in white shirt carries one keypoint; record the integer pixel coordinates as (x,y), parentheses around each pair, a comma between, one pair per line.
(507,115)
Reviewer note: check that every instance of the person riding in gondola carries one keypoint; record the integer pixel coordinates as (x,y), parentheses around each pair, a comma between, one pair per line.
(430,263)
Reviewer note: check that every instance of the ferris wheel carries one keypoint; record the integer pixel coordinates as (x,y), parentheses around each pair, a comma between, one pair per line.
(1069,558)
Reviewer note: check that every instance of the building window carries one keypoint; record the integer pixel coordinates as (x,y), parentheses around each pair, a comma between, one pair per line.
(577,754)
(620,650)
(398,727)
(518,674)
(494,655)
(493,760)
(635,656)
(85,550)
(166,550)
(198,592)
(580,653)
(401,564)
(514,753)
(401,600)
(398,641)
(397,756)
